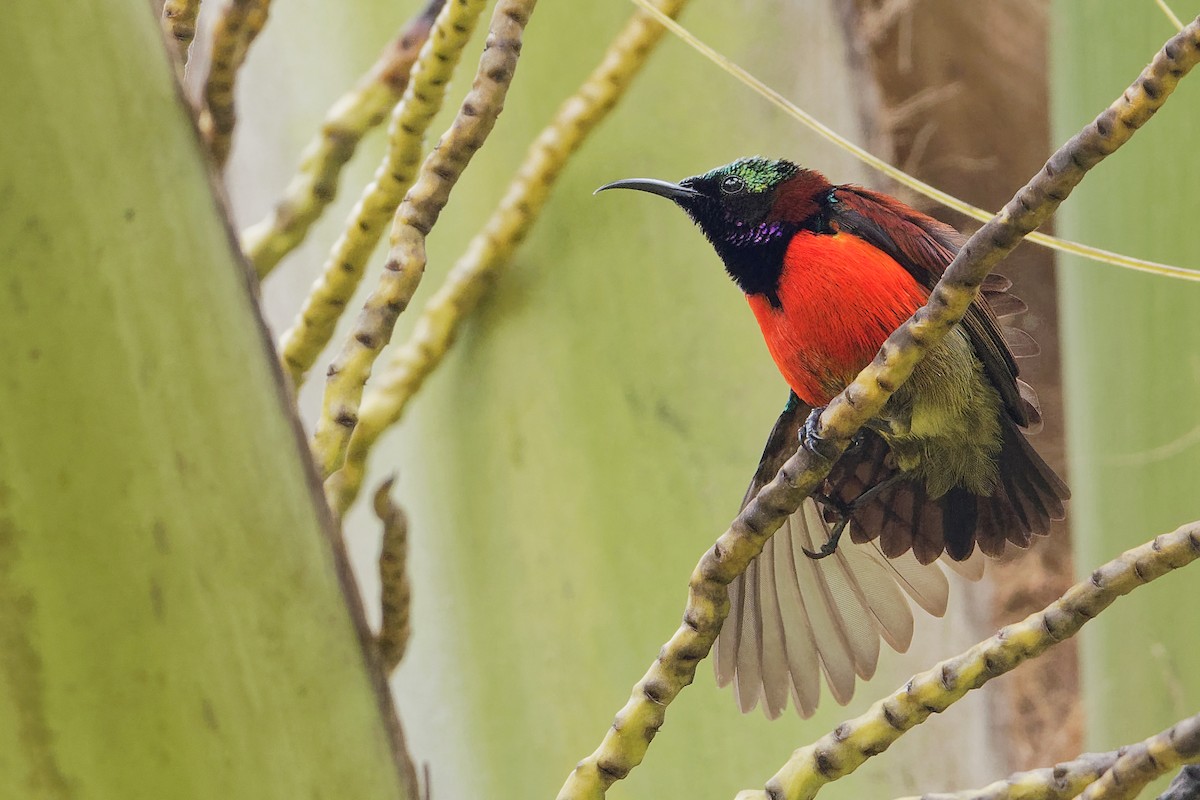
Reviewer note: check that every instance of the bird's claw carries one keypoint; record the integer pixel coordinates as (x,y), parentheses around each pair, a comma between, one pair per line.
(811,439)
(830,546)
(845,511)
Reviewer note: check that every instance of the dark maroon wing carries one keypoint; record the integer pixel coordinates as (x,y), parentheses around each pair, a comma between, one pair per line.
(1029,494)
(925,247)
(781,445)
(863,465)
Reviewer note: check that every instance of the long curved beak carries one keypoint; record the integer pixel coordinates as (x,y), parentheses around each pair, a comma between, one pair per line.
(671,191)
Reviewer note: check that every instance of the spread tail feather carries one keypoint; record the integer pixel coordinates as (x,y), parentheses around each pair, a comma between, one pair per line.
(1027,497)
(793,618)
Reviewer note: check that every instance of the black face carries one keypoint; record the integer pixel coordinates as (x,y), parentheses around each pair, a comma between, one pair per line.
(732,205)
(734,209)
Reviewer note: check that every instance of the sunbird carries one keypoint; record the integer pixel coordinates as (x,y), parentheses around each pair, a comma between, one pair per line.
(944,472)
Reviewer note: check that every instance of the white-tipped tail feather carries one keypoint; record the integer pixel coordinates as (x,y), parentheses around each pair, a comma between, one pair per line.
(793,618)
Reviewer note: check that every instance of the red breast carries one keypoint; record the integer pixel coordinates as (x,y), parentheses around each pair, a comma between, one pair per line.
(840,298)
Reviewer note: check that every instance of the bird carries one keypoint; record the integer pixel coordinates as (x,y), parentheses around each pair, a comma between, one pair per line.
(943,476)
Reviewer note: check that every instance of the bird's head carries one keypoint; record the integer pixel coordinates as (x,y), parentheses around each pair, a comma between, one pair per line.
(749,210)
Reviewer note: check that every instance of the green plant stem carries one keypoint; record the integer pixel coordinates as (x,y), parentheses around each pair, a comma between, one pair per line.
(343,269)
(395,589)
(179,20)
(355,113)
(1060,782)
(1141,763)
(349,371)
(491,250)
(236,28)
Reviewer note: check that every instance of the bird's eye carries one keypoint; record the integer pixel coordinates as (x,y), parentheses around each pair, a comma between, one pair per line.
(732,184)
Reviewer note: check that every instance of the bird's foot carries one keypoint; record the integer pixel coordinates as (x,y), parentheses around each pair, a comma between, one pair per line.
(883,486)
(841,513)
(811,439)
(831,544)
(838,507)
(845,511)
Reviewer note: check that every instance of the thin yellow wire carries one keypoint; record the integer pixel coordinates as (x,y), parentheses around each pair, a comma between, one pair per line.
(898,175)
(1166,9)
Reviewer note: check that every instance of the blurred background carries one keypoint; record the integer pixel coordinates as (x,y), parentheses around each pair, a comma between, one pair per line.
(594,428)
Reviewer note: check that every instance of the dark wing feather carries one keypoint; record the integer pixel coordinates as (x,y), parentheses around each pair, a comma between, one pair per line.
(1029,494)
(781,445)
(905,519)
(925,247)
(793,618)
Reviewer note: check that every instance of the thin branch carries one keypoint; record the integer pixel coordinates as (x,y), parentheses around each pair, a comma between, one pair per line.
(1060,782)
(626,742)
(343,269)
(236,28)
(1185,786)
(1125,771)
(394,629)
(179,20)
(490,251)
(839,753)
(395,591)
(354,114)
(1143,762)
(349,371)
(904,179)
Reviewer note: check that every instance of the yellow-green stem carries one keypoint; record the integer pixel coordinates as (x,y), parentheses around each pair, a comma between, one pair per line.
(416,216)
(179,20)
(354,114)
(177,615)
(395,590)
(343,269)
(487,254)
(1060,782)
(1127,349)
(1143,762)
(236,29)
